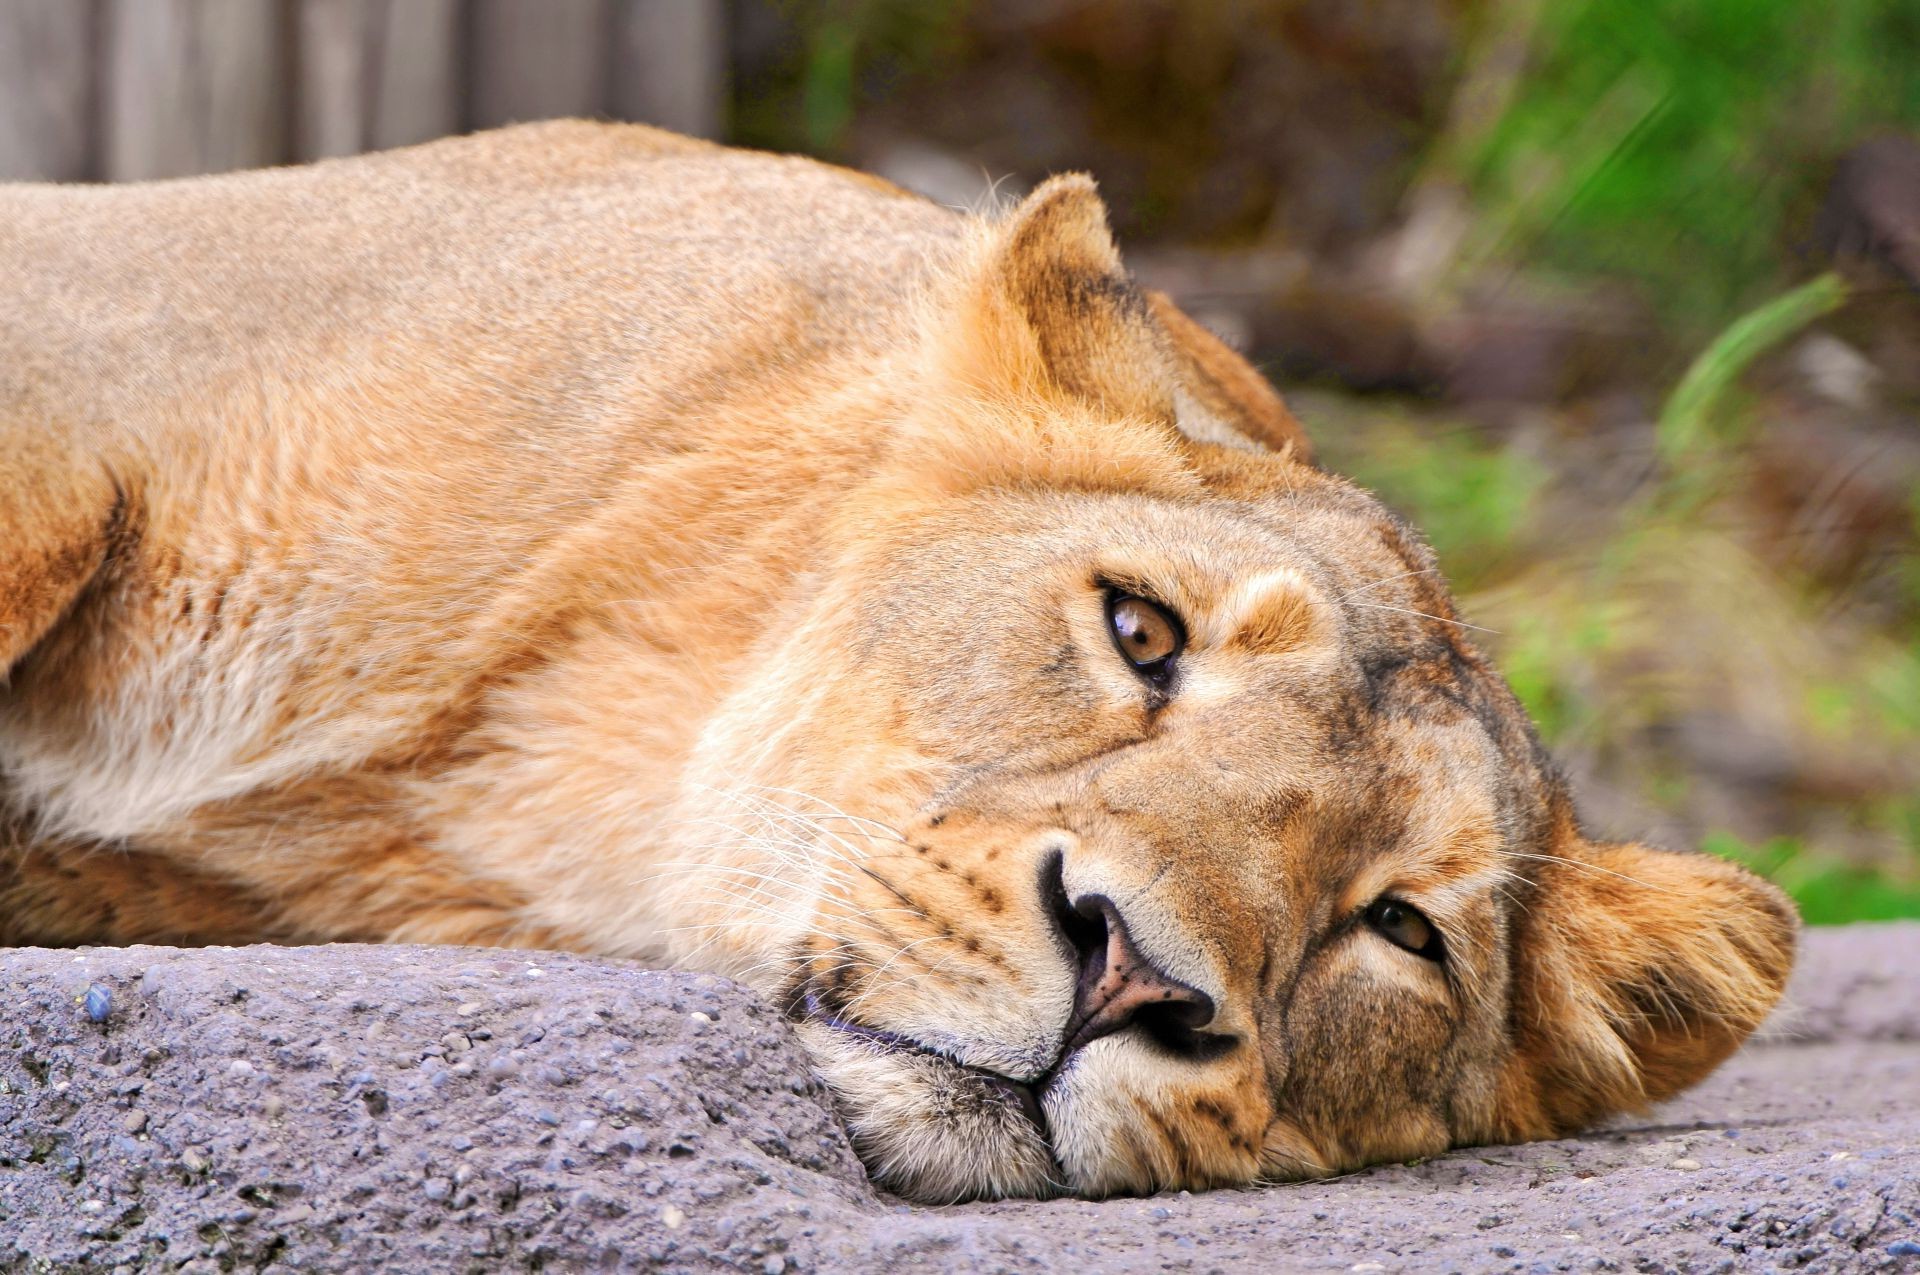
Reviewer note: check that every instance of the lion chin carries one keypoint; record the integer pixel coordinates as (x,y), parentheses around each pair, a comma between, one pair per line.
(581,537)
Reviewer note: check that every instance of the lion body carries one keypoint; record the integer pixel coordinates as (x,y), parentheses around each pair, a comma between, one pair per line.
(578,536)
(301,385)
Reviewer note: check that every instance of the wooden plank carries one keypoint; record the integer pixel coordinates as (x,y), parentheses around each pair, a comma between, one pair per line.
(193,86)
(537,59)
(46,89)
(375,73)
(670,64)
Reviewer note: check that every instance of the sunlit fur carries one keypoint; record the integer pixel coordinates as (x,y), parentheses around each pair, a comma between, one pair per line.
(578,536)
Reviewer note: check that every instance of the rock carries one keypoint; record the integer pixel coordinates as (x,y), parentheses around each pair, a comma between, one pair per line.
(377,1164)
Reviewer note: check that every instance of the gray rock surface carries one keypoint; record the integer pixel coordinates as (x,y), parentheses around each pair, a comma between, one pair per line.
(413,1109)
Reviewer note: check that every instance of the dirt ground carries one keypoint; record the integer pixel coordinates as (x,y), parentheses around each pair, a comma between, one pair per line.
(411,1109)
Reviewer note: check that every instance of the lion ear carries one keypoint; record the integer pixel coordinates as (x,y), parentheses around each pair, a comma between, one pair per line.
(1052,312)
(1636,972)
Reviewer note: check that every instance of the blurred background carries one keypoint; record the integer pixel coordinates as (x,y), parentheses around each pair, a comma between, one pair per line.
(1618,300)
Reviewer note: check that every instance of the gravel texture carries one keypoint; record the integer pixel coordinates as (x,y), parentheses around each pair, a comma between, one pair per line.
(426,1109)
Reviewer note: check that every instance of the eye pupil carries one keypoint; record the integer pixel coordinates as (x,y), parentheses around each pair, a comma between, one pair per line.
(1146,634)
(1405,927)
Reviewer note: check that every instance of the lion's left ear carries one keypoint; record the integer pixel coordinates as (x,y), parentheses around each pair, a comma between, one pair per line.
(1636,972)
(1052,311)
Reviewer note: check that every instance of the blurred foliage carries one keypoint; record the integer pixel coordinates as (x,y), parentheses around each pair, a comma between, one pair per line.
(840,55)
(1681,143)
(1691,410)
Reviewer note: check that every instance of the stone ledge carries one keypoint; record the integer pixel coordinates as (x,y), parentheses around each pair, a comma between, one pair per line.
(425,1109)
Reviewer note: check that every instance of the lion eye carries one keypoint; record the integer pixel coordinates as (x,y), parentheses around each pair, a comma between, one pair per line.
(1404,926)
(1146,634)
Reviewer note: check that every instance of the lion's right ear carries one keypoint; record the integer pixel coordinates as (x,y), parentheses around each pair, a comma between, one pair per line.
(1047,312)
(1050,311)
(1636,972)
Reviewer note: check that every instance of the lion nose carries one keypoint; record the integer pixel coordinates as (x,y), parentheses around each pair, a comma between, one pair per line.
(1119,988)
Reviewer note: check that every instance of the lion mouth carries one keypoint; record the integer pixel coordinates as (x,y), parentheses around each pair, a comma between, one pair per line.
(813,1005)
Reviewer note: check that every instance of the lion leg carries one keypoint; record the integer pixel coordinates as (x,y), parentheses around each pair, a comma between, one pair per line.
(61,895)
(59,520)
(350,858)
(65,894)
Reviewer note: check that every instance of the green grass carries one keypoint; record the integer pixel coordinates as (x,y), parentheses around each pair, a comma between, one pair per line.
(1681,144)
(1828,891)
(1697,403)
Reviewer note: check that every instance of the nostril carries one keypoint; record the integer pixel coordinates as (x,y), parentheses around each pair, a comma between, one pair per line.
(1176,1028)
(1085,933)
(1117,987)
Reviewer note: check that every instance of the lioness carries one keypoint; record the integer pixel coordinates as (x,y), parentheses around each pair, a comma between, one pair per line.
(578,536)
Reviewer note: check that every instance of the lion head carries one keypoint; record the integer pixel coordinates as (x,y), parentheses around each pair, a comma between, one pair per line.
(1130,810)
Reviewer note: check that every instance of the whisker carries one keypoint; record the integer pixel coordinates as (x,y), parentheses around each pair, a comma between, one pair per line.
(1593,867)
(1382,606)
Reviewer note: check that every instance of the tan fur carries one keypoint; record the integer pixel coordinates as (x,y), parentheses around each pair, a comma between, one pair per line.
(580,536)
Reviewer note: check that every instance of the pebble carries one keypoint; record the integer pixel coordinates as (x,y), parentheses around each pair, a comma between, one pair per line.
(672,1218)
(468,1007)
(548,1118)
(456,1042)
(239,1069)
(775,1265)
(1684,1163)
(436,1188)
(99,1002)
(134,1121)
(192,1161)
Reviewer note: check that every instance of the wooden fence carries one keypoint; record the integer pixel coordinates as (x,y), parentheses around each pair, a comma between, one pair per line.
(119,90)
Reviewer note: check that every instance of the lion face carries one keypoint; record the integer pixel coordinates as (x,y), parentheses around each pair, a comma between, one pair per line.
(1137,815)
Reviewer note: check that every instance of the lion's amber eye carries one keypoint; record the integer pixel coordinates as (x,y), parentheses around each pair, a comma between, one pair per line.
(1146,634)
(1402,924)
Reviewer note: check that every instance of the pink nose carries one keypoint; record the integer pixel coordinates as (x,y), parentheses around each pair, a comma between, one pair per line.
(1119,988)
